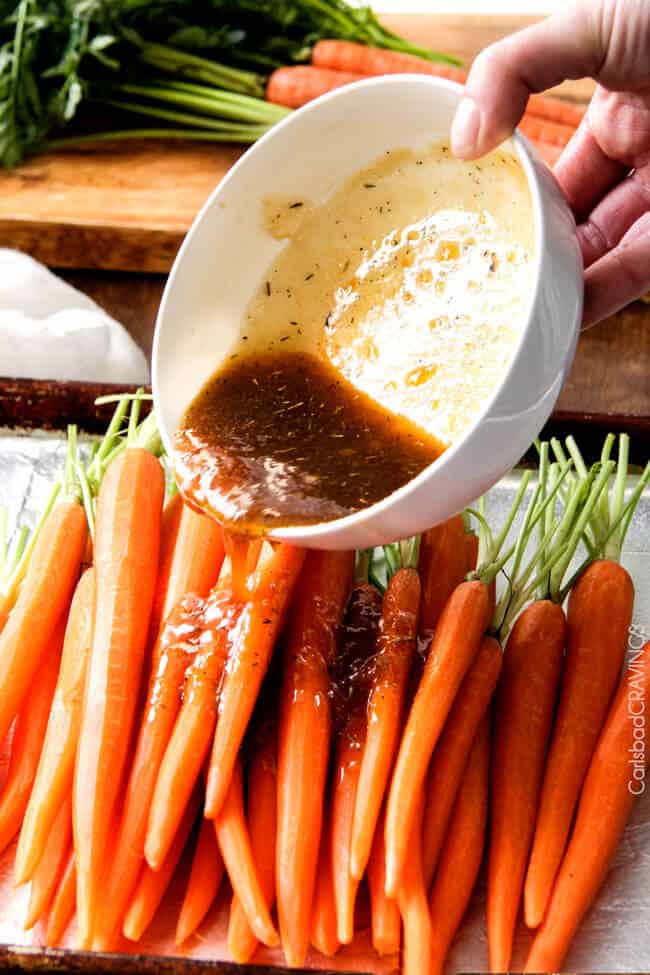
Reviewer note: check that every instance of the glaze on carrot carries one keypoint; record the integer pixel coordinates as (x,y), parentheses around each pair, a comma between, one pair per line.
(262,617)
(612,784)
(127,538)
(455,645)
(523,717)
(389,682)
(304,733)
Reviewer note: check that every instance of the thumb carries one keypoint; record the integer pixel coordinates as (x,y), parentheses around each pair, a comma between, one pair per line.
(566,45)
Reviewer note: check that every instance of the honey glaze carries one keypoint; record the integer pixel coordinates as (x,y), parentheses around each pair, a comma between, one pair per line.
(284,440)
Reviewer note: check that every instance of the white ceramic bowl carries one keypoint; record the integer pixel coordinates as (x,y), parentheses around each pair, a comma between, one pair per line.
(227,251)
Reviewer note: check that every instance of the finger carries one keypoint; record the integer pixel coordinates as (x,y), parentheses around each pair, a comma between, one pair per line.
(614,215)
(566,45)
(585,172)
(621,276)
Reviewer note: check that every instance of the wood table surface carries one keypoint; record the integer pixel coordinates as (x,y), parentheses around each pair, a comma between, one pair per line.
(612,368)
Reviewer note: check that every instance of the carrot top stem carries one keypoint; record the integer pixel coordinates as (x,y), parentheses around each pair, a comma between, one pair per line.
(362,559)
(490,559)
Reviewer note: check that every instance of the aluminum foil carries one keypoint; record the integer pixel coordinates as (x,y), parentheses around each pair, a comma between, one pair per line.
(615,936)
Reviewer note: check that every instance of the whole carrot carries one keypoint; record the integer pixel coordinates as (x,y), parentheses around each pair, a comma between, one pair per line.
(195,565)
(153,884)
(203,884)
(324,925)
(442,567)
(304,739)
(190,740)
(126,558)
(354,663)
(384,912)
(614,781)
(27,743)
(298,85)
(450,756)
(262,818)
(598,617)
(526,696)
(236,850)
(462,852)
(191,554)
(455,644)
(51,866)
(44,597)
(389,681)
(63,905)
(248,662)
(53,783)
(413,905)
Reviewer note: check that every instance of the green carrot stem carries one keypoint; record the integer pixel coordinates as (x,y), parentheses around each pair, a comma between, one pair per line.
(231,130)
(21,561)
(211,102)
(121,135)
(191,66)
(362,565)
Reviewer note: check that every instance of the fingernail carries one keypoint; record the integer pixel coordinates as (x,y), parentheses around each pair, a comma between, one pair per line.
(465,129)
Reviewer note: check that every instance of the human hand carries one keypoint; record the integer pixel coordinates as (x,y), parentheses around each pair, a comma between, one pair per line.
(605,169)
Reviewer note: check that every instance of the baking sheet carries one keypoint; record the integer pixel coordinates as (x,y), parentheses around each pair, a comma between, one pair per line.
(614,938)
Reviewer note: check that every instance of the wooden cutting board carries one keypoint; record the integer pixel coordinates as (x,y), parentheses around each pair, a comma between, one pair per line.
(127,206)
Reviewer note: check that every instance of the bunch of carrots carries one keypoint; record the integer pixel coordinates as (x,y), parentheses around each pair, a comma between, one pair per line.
(548,122)
(295,723)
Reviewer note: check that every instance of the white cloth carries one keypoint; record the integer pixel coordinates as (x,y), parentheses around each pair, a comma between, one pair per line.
(49,330)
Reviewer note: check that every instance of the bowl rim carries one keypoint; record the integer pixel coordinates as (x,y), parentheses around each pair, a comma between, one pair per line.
(523,152)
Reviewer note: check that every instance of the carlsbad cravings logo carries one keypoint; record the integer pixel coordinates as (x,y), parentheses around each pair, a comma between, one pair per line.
(636,708)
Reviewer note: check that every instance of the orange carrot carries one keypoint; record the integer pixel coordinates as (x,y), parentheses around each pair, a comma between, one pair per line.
(304,740)
(51,865)
(296,86)
(27,743)
(127,535)
(361,59)
(462,852)
(355,659)
(544,130)
(442,567)
(63,905)
(449,759)
(455,645)
(614,780)
(324,933)
(550,154)
(191,554)
(347,56)
(236,547)
(262,817)
(237,853)
(153,884)
(413,905)
(248,662)
(195,566)
(53,783)
(523,716)
(598,617)
(395,651)
(190,740)
(384,912)
(203,886)
(44,597)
